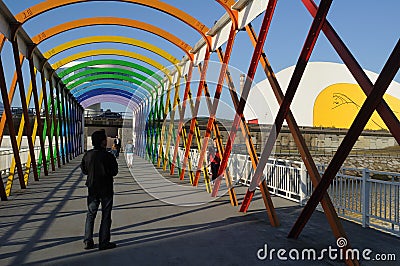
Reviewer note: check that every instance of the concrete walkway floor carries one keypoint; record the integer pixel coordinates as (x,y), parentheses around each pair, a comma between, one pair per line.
(160,220)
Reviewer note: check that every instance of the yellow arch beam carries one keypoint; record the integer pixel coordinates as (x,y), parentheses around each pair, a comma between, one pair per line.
(113,21)
(119,39)
(116,39)
(118,52)
(45,6)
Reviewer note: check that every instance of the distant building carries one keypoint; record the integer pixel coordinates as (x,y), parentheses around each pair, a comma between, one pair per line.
(327,96)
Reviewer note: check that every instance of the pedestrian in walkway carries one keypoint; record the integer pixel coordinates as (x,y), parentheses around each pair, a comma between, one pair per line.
(214,160)
(117,142)
(129,153)
(114,150)
(100,167)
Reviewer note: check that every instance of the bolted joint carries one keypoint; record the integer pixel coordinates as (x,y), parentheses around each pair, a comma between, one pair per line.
(30,49)
(14,27)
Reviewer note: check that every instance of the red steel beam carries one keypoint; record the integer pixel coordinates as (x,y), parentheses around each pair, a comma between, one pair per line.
(195,111)
(327,205)
(21,88)
(239,113)
(37,109)
(214,106)
(182,115)
(11,93)
(244,127)
(10,123)
(371,103)
(305,54)
(220,146)
(246,89)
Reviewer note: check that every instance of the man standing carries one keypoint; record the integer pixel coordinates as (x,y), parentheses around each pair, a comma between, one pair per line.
(117,143)
(100,166)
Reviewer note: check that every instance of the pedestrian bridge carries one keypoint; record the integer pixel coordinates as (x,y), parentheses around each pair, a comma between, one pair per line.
(177,72)
(44,224)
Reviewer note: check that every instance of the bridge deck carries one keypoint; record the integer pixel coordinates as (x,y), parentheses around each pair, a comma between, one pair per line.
(44,225)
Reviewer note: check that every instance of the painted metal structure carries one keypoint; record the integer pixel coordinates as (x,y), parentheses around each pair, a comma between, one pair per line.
(153,92)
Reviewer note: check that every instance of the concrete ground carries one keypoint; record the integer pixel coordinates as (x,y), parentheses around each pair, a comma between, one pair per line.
(160,220)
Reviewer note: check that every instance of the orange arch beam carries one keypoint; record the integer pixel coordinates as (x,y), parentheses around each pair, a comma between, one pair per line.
(233,14)
(45,6)
(112,21)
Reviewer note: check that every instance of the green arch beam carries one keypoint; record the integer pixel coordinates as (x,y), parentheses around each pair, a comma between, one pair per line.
(76,78)
(114,62)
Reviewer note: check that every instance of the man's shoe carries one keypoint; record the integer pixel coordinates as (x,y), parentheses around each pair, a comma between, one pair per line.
(108,245)
(89,244)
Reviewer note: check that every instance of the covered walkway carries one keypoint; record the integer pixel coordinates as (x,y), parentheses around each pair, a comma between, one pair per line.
(176,72)
(43,225)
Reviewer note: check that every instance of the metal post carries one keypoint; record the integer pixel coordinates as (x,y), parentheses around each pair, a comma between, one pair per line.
(160,114)
(55,124)
(365,200)
(71,126)
(73,123)
(37,108)
(75,127)
(73,120)
(303,184)
(162,136)
(60,123)
(83,131)
(65,124)
(47,124)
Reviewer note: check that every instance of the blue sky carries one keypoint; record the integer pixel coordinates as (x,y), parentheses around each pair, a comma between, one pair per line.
(370,29)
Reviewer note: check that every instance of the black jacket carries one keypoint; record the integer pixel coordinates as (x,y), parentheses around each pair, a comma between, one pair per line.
(100,166)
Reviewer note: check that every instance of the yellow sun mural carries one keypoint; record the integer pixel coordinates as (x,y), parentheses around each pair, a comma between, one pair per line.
(337,106)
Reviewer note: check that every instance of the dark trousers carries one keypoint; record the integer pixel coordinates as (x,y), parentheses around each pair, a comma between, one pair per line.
(93,203)
(214,170)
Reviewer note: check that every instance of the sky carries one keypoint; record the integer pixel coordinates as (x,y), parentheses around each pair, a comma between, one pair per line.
(369,28)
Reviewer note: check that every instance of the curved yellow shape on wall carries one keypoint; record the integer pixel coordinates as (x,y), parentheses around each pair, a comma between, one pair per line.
(337,106)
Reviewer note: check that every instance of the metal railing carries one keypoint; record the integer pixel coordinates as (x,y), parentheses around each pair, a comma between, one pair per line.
(7,155)
(371,198)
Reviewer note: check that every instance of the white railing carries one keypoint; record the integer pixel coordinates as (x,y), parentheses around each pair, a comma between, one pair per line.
(357,194)
(7,154)
(283,176)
